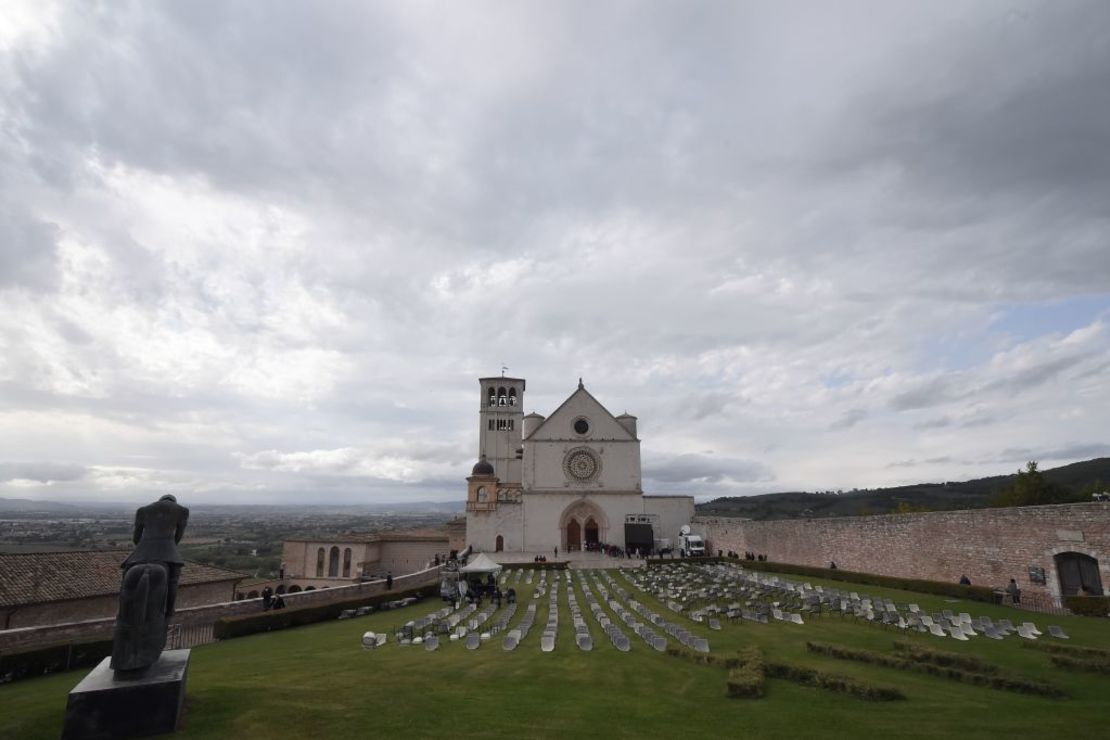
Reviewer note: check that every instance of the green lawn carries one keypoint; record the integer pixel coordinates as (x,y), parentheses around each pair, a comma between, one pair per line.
(317,682)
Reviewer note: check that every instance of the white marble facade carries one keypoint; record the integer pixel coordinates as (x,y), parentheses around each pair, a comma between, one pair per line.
(558,481)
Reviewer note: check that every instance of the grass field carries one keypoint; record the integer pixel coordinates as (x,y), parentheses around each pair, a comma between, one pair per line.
(317,682)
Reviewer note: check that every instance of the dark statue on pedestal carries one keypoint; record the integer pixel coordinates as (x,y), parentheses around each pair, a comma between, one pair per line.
(140,690)
(146,599)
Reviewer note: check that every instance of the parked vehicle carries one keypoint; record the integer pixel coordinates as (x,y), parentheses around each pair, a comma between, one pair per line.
(690,544)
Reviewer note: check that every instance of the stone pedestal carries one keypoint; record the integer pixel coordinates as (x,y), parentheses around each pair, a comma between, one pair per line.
(102,706)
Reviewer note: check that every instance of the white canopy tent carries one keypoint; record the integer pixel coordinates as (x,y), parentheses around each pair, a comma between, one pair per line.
(481,564)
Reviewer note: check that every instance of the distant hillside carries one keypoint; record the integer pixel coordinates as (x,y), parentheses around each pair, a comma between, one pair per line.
(29,505)
(972,494)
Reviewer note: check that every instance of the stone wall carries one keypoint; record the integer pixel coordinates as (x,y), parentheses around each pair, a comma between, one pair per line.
(990,546)
(409,556)
(104,607)
(16,640)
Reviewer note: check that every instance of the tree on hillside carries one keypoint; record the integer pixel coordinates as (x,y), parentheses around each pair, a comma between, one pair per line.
(1030,488)
(1095,486)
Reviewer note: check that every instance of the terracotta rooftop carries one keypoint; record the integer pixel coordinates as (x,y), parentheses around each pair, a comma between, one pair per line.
(39,577)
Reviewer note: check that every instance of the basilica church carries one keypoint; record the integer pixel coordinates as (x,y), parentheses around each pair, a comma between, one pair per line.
(570,480)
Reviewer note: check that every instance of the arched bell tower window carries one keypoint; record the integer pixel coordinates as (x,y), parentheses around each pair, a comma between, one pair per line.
(483,495)
(492,396)
(501,397)
(512,396)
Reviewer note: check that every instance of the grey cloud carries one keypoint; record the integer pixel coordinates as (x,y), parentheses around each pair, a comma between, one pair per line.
(1077,451)
(1051,363)
(936,422)
(708,404)
(932,392)
(693,468)
(1035,375)
(903,464)
(41,472)
(999,154)
(911,463)
(28,250)
(849,419)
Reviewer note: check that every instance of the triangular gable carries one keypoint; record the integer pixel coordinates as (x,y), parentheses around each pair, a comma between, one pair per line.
(603,425)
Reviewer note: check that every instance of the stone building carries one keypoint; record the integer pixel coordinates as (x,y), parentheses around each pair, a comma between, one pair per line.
(59,587)
(350,558)
(569,480)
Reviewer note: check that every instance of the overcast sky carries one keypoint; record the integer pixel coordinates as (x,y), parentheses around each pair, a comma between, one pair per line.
(262,251)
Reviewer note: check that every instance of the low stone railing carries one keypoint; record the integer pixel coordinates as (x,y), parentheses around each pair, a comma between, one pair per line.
(25,638)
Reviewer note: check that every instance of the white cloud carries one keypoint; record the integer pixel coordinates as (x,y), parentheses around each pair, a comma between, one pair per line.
(784,235)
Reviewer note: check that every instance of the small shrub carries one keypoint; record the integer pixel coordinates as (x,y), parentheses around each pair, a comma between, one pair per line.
(745,683)
(1088,606)
(746,676)
(921,654)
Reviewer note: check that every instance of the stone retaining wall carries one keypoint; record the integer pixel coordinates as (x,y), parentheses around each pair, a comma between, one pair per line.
(990,546)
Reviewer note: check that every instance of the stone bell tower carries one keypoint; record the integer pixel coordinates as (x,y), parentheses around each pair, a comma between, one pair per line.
(500,421)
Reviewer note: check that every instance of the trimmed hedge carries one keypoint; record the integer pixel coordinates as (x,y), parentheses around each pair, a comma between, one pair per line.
(249,624)
(748,673)
(1079,664)
(1004,683)
(745,669)
(944,658)
(1088,606)
(704,658)
(53,658)
(937,588)
(833,682)
(1074,650)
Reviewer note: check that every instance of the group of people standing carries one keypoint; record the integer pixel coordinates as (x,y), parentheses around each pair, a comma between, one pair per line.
(271,601)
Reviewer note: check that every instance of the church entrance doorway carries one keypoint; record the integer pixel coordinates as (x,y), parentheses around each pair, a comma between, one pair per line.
(499,544)
(574,535)
(1078,574)
(591,534)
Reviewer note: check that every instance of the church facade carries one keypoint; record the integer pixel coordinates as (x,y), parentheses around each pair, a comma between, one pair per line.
(569,480)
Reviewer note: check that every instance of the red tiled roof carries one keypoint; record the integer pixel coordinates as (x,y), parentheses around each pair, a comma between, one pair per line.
(39,577)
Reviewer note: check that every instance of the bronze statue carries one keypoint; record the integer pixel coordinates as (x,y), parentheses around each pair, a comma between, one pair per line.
(149,590)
